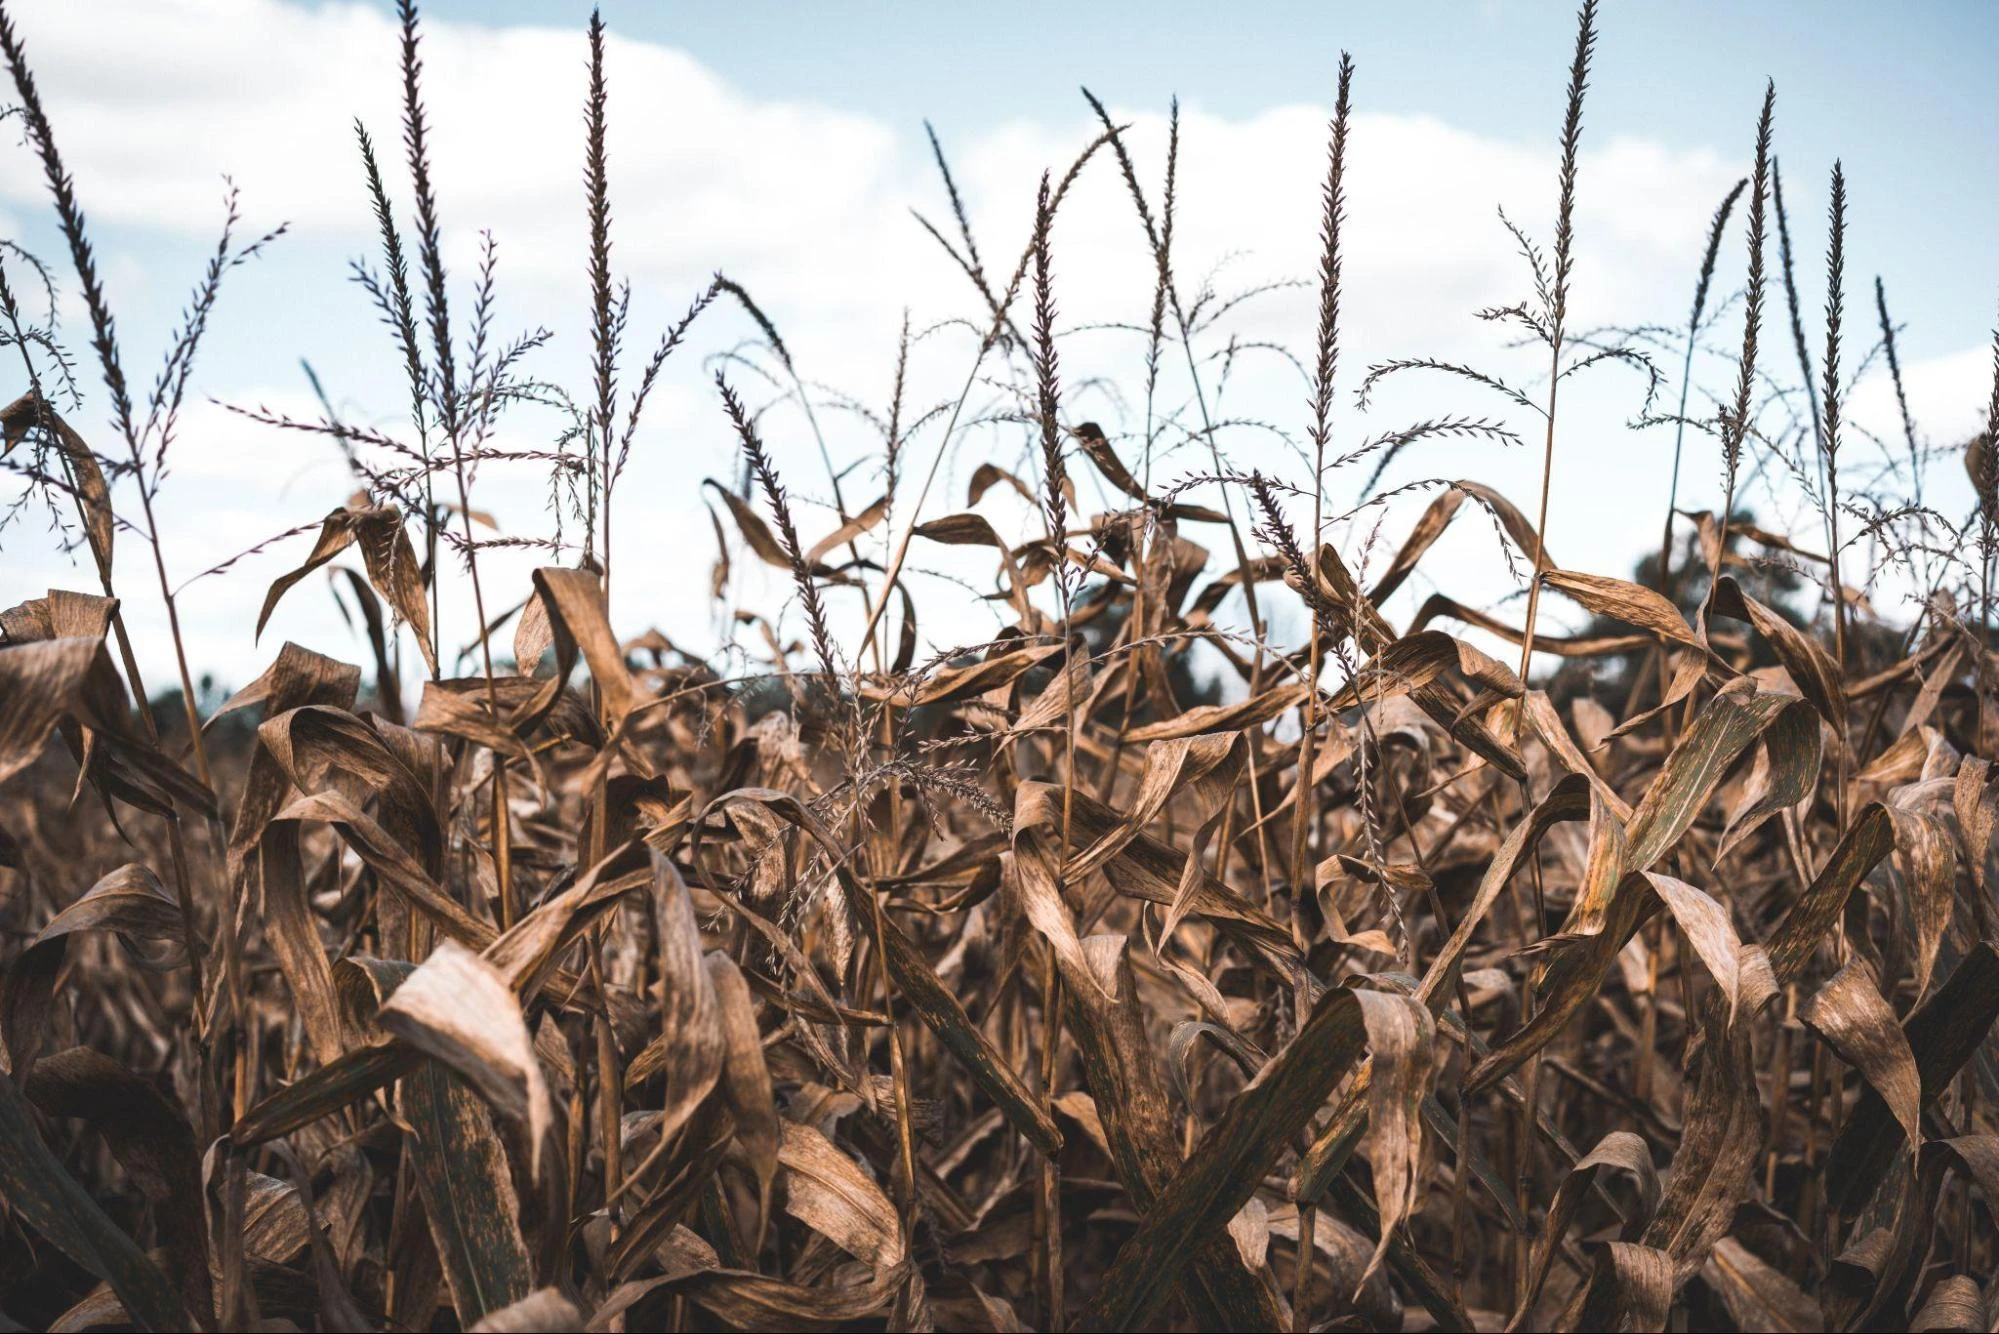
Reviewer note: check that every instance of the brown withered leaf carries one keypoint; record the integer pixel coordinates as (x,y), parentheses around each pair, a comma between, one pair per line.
(1981,464)
(1089,437)
(1204,718)
(1401,1035)
(1817,676)
(829,1193)
(1339,590)
(292,929)
(1439,607)
(1206,767)
(39,685)
(1706,927)
(27,996)
(296,677)
(1151,870)
(692,1035)
(1732,720)
(1711,1167)
(1250,1231)
(1037,891)
(1135,1116)
(1417,660)
(462,1177)
(1758,1296)
(966,530)
(848,531)
(1422,535)
(1619,1151)
(580,623)
(151,1139)
(526,954)
(458,1009)
(1975,799)
(746,1081)
(1689,668)
(1928,858)
(956,683)
(130,900)
(1222,1172)
(1621,600)
(323,750)
(1942,1034)
(756,533)
(1850,1015)
(1540,713)
(532,635)
(389,859)
(450,708)
(1631,1287)
(523,956)
(1785,770)
(49,1200)
(100,525)
(274,1218)
(385,550)
(1955,1303)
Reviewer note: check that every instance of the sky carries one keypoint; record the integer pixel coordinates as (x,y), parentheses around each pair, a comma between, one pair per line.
(785,145)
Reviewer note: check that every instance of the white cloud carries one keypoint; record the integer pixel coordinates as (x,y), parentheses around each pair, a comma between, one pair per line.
(155,100)
(1947,397)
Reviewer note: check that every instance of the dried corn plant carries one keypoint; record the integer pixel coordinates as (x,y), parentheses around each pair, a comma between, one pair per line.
(1030,985)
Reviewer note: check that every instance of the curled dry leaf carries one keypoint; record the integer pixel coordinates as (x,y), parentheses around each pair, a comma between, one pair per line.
(1849,1014)
(39,685)
(1619,1151)
(1955,1303)
(31,412)
(458,1009)
(130,900)
(390,560)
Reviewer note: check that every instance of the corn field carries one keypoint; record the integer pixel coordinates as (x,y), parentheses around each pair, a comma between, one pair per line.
(1141,967)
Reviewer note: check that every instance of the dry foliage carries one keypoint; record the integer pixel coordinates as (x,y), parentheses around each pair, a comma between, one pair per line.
(1027,986)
